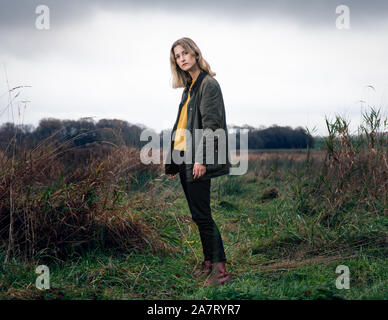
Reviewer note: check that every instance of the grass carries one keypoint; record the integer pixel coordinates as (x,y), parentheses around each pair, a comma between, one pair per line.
(266,262)
(258,274)
(286,225)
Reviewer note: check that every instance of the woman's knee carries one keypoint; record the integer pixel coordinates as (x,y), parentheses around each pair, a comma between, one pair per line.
(203,220)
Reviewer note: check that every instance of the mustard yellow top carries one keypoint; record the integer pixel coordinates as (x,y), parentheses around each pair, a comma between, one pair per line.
(180,136)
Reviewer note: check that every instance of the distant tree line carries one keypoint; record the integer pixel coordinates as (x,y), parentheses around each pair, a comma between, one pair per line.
(86,133)
(78,133)
(274,137)
(277,137)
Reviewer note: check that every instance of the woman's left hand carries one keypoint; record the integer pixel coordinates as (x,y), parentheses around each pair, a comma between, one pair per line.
(198,170)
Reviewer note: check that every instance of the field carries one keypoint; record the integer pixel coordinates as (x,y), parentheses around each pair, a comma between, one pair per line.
(119,230)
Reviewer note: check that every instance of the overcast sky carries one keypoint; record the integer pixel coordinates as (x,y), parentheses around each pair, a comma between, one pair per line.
(278,62)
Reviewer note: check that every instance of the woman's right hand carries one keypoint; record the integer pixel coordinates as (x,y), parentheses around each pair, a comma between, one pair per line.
(172,175)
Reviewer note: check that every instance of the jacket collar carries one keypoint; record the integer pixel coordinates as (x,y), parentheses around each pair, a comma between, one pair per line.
(197,82)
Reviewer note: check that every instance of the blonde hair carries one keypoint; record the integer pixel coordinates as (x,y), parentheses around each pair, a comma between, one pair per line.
(181,78)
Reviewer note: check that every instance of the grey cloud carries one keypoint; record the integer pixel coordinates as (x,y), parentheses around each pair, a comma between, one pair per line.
(21,14)
(20,38)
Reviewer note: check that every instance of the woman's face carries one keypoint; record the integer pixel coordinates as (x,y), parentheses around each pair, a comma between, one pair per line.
(183,58)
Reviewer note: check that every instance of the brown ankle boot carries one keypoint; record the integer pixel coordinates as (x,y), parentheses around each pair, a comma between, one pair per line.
(206,269)
(218,276)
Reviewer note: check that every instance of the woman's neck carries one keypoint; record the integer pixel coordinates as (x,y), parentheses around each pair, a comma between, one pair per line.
(194,74)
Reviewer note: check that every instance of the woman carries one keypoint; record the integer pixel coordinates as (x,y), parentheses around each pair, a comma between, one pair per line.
(201,107)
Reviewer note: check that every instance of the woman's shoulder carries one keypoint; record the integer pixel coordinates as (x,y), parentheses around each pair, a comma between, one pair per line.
(209,81)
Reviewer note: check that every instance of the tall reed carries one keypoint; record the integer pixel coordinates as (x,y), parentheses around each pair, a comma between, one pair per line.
(46,209)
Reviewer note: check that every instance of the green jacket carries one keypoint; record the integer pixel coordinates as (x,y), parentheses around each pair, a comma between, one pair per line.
(205,110)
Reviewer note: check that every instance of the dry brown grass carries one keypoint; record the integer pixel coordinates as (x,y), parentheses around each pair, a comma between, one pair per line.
(289,155)
(301,255)
(356,170)
(43,211)
(294,264)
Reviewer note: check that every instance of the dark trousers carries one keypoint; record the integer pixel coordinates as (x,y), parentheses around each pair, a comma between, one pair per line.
(198,198)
